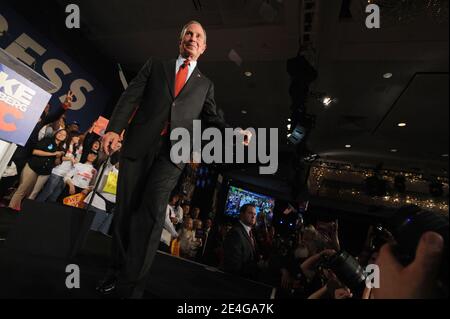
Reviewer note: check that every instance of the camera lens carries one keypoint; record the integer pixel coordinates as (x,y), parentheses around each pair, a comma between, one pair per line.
(348,271)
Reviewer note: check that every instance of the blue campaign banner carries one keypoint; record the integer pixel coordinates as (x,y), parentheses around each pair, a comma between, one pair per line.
(18,38)
(21,105)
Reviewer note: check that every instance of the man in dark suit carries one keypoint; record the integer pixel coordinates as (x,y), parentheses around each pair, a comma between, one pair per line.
(240,245)
(164,95)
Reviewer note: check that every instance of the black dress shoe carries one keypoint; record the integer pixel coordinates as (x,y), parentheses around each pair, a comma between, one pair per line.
(107,285)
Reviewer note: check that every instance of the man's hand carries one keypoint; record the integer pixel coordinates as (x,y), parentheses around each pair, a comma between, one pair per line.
(71,189)
(309,265)
(110,142)
(415,281)
(247,136)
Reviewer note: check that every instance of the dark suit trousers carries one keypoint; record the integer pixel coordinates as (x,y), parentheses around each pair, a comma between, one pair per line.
(144,187)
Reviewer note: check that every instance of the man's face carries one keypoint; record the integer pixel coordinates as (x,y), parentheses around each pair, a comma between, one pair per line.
(249,216)
(193,44)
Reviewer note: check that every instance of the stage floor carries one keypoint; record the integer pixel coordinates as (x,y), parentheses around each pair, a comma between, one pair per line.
(33,276)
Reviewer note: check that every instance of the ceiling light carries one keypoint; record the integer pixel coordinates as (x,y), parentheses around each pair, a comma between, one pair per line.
(444,155)
(289,120)
(387,75)
(348,146)
(248,73)
(401,124)
(289,126)
(327,100)
(393,150)
(244,112)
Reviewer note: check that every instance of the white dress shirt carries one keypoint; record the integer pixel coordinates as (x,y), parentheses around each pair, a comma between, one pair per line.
(191,66)
(247,228)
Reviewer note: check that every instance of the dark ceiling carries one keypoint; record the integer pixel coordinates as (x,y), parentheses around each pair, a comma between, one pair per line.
(350,60)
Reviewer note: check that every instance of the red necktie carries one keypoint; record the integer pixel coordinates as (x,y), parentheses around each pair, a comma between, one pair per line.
(252,239)
(181,77)
(180,80)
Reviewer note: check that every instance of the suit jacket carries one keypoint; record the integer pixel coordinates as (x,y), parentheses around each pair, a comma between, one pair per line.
(152,93)
(239,254)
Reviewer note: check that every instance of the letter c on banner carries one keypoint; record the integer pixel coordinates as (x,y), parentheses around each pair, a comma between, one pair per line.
(6,110)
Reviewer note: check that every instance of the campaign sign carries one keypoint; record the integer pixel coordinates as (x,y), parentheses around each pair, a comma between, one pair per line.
(21,105)
(100,126)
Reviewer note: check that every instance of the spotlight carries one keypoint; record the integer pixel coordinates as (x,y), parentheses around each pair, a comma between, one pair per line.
(327,101)
(402,124)
(324,98)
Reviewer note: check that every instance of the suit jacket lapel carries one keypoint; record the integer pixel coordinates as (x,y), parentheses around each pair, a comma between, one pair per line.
(169,68)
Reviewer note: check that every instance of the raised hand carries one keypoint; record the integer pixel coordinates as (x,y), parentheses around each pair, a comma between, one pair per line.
(418,279)
(247,136)
(69,97)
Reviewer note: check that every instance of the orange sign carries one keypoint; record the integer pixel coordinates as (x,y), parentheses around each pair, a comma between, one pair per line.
(100,126)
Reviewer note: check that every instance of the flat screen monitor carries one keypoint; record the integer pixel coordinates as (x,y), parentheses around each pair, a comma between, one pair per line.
(238,197)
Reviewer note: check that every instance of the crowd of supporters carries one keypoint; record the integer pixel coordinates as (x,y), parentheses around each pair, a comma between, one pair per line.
(59,164)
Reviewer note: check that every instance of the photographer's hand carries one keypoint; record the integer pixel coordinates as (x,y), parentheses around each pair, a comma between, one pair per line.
(342,293)
(416,280)
(308,267)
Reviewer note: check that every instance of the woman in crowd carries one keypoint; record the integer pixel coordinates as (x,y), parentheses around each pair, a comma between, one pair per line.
(189,244)
(93,147)
(105,198)
(49,129)
(39,166)
(80,178)
(55,183)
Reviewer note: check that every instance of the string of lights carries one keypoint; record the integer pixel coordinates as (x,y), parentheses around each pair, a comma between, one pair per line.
(323,171)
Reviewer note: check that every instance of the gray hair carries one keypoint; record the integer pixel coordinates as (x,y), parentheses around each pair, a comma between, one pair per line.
(183,31)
